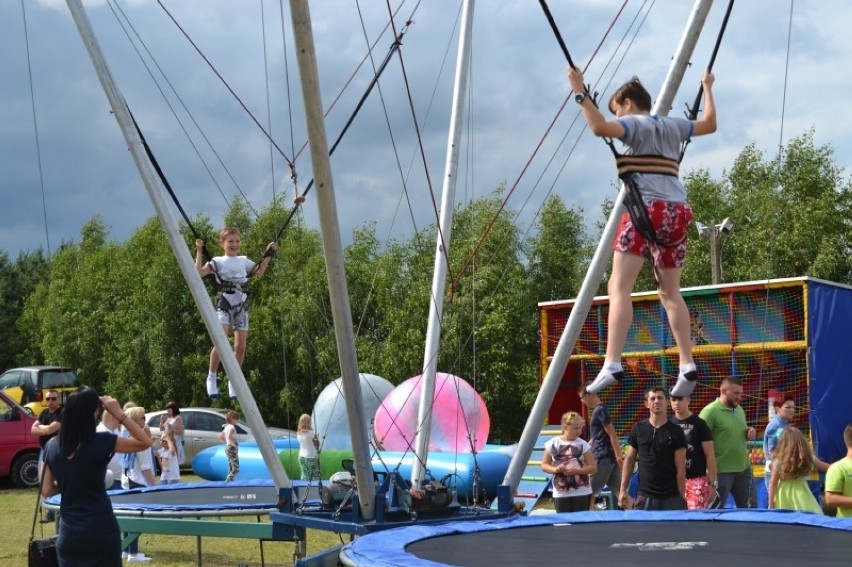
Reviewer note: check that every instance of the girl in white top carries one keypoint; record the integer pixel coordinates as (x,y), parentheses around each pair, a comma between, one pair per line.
(570,460)
(308,445)
(169,467)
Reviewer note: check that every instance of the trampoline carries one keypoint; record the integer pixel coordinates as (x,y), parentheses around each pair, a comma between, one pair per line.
(696,538)
(236,498)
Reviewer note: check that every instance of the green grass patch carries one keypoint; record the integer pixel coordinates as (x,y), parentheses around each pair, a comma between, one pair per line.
(17,506)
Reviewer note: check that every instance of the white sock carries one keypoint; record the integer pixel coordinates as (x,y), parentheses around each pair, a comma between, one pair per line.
(212,375)
(688,367)
(613,366)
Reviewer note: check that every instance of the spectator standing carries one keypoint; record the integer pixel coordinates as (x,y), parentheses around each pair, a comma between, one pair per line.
(701,476)
(660,447)
(169,467)
(570,460)
(109,424)
(229,436)
(788,486)
(308,446)
(139,472)
(75,466)
(727,422)
(172,422)
(606,447)
(46,428)
(785,410)
(838,480)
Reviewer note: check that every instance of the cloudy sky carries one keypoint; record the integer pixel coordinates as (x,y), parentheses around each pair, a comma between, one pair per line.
(517,88)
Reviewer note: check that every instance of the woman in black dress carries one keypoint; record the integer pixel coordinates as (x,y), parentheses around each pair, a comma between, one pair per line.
(75,466)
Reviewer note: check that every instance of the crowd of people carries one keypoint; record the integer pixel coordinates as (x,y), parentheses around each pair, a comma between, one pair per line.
(685,461)
(83,458)
(689,461)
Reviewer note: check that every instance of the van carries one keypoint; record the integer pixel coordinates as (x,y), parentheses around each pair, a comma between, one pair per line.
(19,448)
(29,385)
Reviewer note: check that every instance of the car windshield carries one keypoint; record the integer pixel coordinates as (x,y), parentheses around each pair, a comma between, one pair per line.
(59,379)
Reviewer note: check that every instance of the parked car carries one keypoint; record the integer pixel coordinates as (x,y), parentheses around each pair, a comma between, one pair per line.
(19,448)
(29,385)
(202,427)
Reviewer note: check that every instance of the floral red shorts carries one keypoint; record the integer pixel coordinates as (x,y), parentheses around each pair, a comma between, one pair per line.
(697,493)
(670,221)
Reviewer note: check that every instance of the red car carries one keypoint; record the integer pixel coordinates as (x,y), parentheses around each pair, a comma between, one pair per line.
(19,448)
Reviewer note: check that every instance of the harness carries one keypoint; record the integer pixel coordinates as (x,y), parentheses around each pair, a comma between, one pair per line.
(627,167)
(232,286)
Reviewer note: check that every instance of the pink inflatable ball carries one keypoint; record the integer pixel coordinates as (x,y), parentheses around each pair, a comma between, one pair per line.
(329,418)
(460,419)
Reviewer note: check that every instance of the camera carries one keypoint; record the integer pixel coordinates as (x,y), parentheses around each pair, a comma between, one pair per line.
(703,230)
(726,226)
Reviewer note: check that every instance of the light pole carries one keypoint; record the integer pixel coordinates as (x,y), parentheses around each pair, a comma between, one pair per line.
(714,233)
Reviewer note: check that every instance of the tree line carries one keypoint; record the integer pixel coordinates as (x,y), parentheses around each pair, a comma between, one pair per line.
(121,315)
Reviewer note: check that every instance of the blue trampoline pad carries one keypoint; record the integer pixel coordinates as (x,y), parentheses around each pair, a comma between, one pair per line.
(202,498)
(700,539)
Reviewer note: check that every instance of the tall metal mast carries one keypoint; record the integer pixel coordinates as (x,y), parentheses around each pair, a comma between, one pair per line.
(442,248)
(184,259)
(333,250)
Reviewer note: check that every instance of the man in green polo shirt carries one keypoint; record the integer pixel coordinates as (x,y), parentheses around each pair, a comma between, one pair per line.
(726,419)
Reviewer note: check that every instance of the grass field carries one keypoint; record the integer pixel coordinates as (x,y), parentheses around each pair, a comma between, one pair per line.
(17,506)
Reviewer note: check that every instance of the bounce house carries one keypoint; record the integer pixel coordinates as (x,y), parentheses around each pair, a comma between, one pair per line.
(788,335)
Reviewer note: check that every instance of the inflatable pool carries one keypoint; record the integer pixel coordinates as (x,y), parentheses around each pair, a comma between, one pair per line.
(492,464)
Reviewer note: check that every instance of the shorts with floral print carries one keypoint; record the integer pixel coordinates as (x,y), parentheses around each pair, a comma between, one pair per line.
(670,221)
(698,493)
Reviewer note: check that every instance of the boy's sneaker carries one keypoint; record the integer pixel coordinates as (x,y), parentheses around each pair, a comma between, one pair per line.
(138,558)
(685,383)
(605,377)
(212,387)
(231,391)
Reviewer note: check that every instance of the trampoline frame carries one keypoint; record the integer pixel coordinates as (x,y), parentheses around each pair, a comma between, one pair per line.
(389,548)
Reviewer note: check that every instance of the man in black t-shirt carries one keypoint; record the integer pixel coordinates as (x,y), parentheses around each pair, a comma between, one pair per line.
(701,479)
(45,429)
(660,447)
(47,425)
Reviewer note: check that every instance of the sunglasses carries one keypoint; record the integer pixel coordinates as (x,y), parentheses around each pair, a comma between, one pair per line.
(52,398)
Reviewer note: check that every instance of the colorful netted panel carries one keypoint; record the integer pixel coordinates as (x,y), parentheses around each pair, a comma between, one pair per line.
(754,332)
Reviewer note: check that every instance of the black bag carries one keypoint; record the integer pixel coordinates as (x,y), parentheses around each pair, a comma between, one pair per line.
(43,553)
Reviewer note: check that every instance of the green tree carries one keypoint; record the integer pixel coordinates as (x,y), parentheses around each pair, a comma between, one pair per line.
(558,253)
(18,280)
(792,217)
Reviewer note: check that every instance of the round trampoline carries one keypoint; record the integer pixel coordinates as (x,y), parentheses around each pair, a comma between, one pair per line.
(236,498)
(697,539)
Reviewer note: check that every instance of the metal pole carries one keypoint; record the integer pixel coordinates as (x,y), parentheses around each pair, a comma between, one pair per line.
(184,259)
(597,266)
(333,250)
(442,248)
(715,253)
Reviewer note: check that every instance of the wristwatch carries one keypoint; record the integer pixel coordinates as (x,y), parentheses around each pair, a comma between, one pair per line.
(580,97)
(714,483)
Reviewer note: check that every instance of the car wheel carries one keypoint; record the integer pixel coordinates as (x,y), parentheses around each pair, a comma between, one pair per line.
(25,471)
